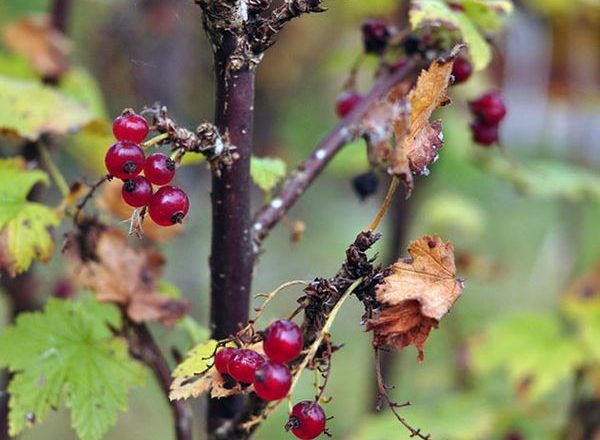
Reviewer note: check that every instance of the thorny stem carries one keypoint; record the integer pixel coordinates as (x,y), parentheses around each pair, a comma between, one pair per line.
(383,394)
(387,202)
(153,357)
(270,214)
(49,164)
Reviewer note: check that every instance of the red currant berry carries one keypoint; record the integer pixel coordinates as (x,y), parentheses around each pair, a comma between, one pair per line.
(243,364)
(461,70)
(375,34)
(222,359)
(307,420)
(272,381)
(484,134)
(124,160)
(346,102)
(159,169)
(283,341)
(168,206)
(489,108)
(137,191)
(130,127)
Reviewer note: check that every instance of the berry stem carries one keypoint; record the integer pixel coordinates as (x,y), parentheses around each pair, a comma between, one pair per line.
(387,202)
(155,140)
(270,295)
(312,351)
(53,170)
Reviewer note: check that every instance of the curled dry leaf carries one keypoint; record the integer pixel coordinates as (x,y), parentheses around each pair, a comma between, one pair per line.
(416,294)
(403,118)
(102,261)
(195,386)
(111,200)
(35,38)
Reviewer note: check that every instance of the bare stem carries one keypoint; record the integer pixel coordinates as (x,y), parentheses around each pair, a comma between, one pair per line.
(387,202)
(270,214)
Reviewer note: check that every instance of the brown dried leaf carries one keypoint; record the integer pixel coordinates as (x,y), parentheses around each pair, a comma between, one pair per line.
(111,200)
(416,295)
(120,274)
(46,48)
(195,386)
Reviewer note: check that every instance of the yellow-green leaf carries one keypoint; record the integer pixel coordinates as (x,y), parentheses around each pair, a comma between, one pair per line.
(24,225)
(487,14)
(267,172)
(29,109)
(198,359)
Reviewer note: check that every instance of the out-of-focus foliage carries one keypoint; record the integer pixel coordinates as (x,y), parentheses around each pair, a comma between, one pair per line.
(267,172)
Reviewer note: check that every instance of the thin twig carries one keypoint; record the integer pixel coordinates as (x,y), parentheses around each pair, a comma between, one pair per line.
(88,196)
(389,197)
(153,357)
(383,394)
(270,214)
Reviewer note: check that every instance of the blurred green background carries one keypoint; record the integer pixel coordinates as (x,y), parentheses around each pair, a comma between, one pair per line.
(522,235)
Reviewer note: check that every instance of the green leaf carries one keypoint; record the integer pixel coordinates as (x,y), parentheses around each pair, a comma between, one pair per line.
(198,359)
(29,109)
(487,14)
(529,346)
(16,66)
(544,179)
(436,13)
(80,85)
(24,225)
(68,353)
(267,172)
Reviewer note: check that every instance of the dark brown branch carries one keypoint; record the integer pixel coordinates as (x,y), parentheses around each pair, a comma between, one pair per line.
(152,356)
(269,215)
(264,36)
(61,11)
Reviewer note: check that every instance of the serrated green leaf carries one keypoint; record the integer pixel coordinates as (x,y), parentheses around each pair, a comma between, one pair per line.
(68,353)
(545,179)
(267,172)
(529,346)
(197,360)
(24,225)
(436,12)
(29,109)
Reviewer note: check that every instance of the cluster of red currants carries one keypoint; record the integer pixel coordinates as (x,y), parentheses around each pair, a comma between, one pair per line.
(126,160)
(271,377)
(488,110)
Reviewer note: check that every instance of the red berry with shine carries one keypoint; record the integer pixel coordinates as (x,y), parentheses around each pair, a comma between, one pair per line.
(243,364)
(375,34)
(222,359)
(137,191)
(489,107)
(484,134)
(346,102)
(130,127)
(168,206)
(272,381)
(283,341)
(159,168)
(124,160)
(461,70)
(307,420)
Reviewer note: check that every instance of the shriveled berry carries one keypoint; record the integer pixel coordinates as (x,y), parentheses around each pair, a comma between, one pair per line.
(461,70)
(222,359)
(489,107)
(283,341)
(137,191)
(365,184)
(376,34)
(159,168)
(307,420)
(168,206)
(484,134)
(346,102)
(243,364)
(272,381)
(130,127)
(124,160)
